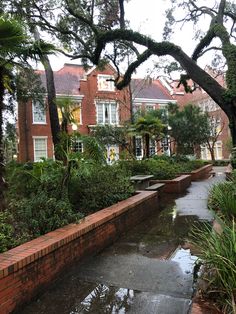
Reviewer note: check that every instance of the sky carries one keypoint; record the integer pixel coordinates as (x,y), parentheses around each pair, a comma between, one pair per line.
(149,19)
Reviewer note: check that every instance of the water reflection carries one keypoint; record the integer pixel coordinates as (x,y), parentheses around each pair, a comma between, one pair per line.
(185,260)
(107,300)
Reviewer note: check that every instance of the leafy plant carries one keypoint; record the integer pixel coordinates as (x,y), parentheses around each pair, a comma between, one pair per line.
(223,198)
(102,186)
(218,253)
(6,231)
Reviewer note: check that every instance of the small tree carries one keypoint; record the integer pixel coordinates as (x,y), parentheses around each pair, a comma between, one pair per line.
(148,126)
(189,128)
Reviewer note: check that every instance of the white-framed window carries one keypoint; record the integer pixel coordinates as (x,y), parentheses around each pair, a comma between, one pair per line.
(40,148)
(39,113)
(107,113)
(137,108)
(77,146)
(150,107)
(165,146)
(106,82)
(206,155)
(138,147)
(152,147)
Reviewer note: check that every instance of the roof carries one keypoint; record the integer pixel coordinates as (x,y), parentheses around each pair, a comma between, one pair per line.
(67,79)
(149,89)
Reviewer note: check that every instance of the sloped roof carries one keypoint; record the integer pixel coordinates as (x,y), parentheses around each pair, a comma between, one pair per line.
(149,89)
(67,79)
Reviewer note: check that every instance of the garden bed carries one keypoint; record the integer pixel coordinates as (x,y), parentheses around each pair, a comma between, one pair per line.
(177,185)
(201,173)
(28,268)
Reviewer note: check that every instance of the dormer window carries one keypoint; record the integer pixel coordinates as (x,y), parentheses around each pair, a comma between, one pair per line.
(106,83)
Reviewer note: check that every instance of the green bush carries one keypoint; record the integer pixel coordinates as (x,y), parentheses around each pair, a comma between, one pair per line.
(99,188)
(218,253)
(40,214)
(6,232)
(222,197)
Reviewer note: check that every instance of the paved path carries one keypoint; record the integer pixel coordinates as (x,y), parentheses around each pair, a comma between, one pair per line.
(146,271)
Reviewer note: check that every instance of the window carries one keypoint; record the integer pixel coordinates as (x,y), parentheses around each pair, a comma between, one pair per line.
(107,113)
(75,113)
(152,147)
(77,146)
(205,153)
(165,148)
(138,147)
(39,113)
(150,107)
(40,148)
(106,83)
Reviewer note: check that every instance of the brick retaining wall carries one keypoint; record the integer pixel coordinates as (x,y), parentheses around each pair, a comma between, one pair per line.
(201,173)
(177,185)
(29,268)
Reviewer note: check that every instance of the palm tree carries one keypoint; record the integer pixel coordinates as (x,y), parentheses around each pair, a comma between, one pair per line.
(15,49)
(148,126)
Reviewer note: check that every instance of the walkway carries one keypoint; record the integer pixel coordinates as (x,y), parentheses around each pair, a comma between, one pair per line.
(146,271)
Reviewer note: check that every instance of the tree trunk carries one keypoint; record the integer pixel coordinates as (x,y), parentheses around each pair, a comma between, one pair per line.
(2,166)
(51,91)
(53,114)
(147,146)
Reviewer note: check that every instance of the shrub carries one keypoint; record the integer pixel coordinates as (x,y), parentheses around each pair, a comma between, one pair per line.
(6,232)
(40,214)
(99,188)
(218,253)
(223,197)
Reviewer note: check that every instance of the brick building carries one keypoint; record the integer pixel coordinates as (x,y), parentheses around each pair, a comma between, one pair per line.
(219,119)
(95,101)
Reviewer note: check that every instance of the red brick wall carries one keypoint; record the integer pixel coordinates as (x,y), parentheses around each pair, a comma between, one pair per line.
(29,268)
(27,130)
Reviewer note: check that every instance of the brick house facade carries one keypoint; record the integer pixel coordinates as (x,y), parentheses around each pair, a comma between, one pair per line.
(96,101)
(201,99)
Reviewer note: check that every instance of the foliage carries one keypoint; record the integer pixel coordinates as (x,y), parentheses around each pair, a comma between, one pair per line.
(41,213)
(111,135)
(162,167)
(98,188)
(218,253)
(222,198)
(6,232)
(189,127)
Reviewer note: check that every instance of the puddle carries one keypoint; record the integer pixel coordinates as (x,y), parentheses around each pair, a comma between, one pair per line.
(106,299)
(185,260)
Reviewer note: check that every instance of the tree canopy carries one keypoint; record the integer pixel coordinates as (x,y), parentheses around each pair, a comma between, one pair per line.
(96,31)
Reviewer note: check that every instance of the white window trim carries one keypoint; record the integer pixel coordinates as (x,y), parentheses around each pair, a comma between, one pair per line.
(36,122)
(103,103)
(40,137)
(108,77)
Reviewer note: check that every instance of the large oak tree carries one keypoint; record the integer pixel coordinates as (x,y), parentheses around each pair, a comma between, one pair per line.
(87,28)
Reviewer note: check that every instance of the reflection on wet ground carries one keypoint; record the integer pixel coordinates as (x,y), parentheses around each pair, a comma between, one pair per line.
(146,271)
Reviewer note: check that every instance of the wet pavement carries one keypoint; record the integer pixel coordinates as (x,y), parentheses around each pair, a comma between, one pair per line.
(146,271)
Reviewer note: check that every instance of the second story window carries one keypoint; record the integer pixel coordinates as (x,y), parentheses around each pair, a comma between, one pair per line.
(39,113)
(107,113)
(106,83)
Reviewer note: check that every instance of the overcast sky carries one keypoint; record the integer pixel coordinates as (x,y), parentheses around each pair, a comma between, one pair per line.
(148,17)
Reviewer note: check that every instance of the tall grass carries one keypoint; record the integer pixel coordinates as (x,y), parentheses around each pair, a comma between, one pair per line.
(218,252)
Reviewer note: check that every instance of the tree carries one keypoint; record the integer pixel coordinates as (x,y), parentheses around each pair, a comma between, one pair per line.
(15,48)
(190,128)
(148,127)
(214,131)
(86,33)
